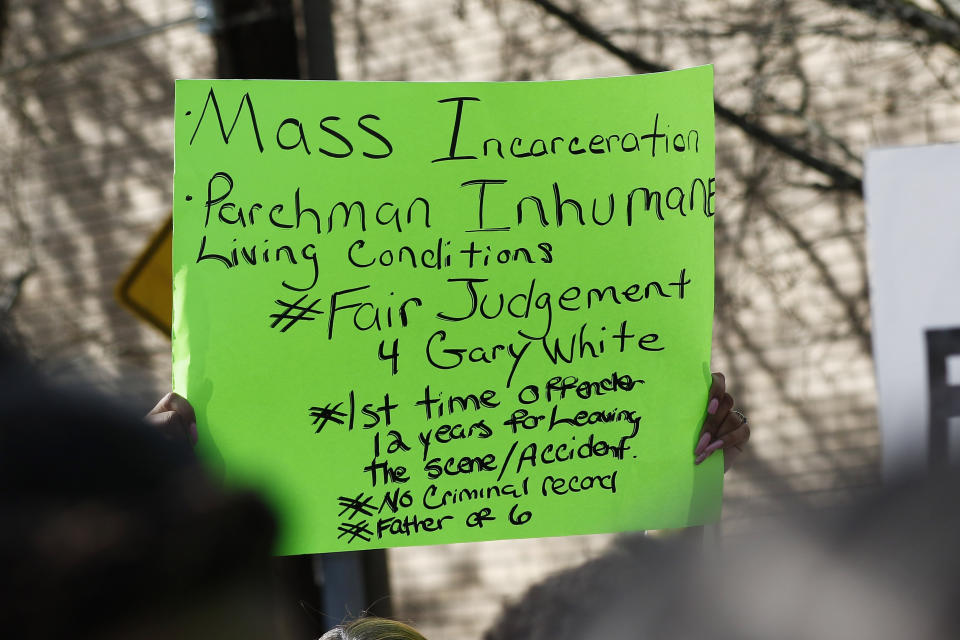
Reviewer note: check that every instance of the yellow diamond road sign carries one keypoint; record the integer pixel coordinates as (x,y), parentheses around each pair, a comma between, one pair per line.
(146,289)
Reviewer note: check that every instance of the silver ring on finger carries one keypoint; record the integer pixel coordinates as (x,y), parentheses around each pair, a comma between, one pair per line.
(743,418)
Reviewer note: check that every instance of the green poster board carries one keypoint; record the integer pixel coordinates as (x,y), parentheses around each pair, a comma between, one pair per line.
(421,313)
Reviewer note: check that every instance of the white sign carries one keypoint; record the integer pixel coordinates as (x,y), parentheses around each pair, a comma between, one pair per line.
(913,231)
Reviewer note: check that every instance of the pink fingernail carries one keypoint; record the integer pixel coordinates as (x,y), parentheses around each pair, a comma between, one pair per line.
(700,458)
(193,433)
(713,447)
(712,407)
(704,441)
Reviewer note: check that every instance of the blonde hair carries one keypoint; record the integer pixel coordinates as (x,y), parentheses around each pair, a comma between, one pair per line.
(372,628)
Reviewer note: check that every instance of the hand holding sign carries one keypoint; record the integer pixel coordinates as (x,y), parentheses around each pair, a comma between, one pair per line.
(473,311)
(724,428)
(174,417)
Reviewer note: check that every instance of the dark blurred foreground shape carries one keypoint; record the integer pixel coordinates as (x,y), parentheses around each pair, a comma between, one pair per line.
(110,530)
(886,568)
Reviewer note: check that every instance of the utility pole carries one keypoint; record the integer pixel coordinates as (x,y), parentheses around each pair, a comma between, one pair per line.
(255,39)
(321,56)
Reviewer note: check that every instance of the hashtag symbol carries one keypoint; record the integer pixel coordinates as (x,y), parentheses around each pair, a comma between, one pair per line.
(355,530)
(327,414)
(356,506)
(296,308)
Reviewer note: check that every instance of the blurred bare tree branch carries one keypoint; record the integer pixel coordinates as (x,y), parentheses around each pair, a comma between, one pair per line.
(840,177)
(937,28)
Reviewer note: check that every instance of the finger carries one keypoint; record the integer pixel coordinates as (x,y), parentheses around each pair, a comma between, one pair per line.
(731,422)
(722,407)
(173,426)
(705,438)
(732,443)
(713,446)
(737,438)
(178,404)
(737,441)
(714,398)
(718,387)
